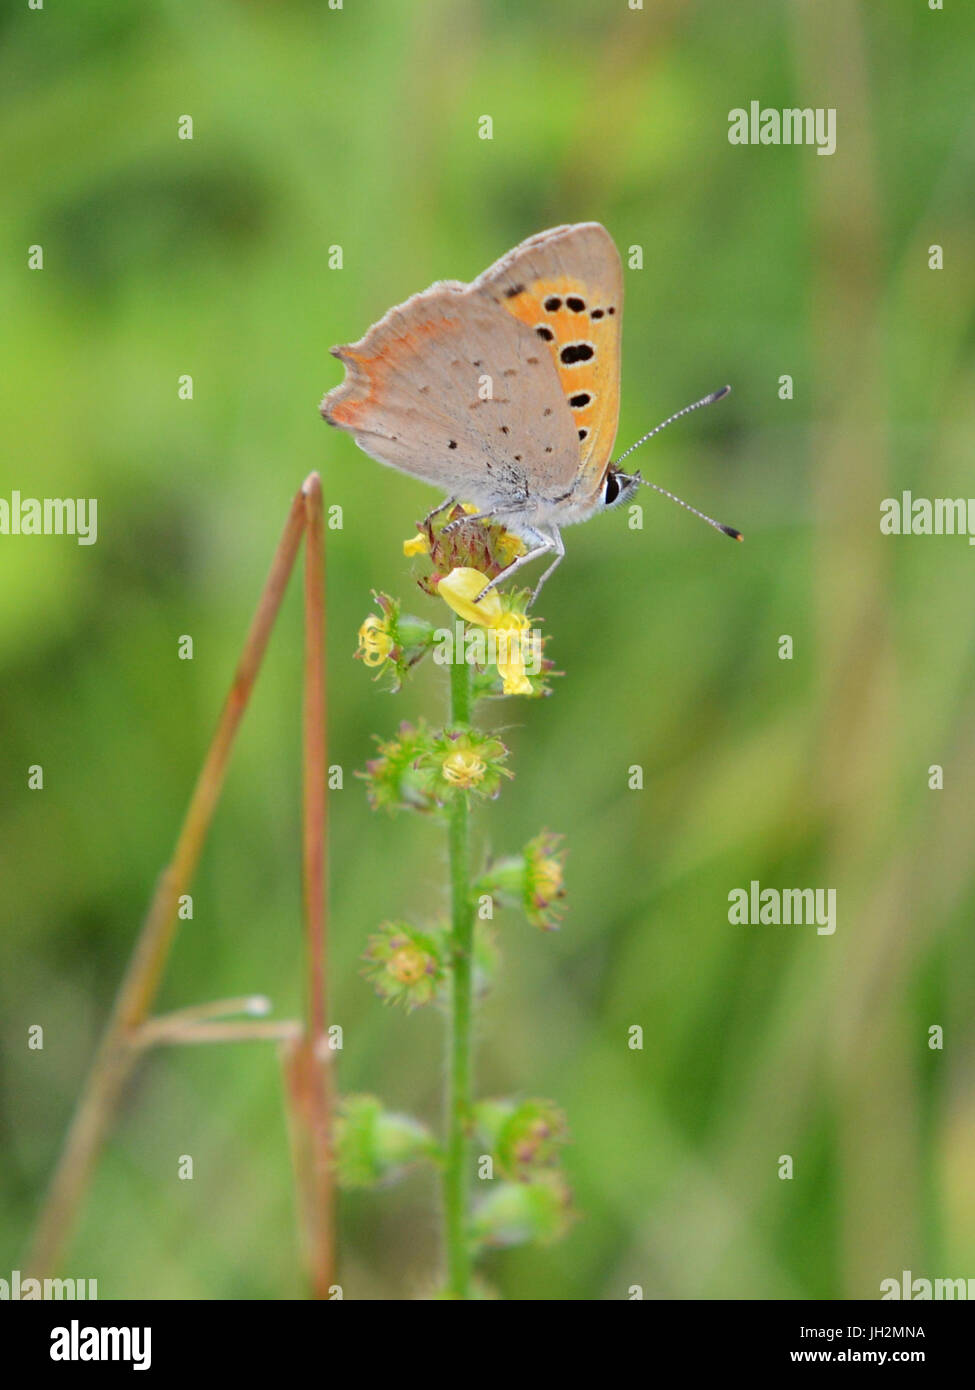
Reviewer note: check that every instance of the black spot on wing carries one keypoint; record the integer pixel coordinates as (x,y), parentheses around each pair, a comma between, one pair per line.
(577,352)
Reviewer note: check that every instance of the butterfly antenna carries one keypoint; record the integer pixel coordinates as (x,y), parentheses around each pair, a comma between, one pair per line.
(705,400)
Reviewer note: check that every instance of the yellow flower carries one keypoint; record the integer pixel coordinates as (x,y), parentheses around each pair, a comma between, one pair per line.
(408,965)
(548,877)
(464,768)
(375,643)
(417,545)
(461,587)
(513,636)
(509,547)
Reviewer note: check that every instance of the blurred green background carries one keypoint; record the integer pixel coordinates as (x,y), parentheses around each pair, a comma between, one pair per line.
(162,257)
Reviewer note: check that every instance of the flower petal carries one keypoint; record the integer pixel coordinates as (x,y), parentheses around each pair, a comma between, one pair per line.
(461,587)
(417,545)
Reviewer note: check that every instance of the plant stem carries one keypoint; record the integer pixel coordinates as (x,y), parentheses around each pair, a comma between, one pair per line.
(116,1053)
(459,1102)
(321,1212)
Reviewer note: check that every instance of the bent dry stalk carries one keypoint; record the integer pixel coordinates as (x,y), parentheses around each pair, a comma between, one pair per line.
(131,1030)
(520,1193)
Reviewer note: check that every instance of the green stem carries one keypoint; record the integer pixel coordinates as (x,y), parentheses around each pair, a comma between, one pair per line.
(460,1099)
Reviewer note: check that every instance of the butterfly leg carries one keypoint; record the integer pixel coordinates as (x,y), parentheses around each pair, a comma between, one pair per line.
(480,516)
(437,510)
(559,548)
(544,542)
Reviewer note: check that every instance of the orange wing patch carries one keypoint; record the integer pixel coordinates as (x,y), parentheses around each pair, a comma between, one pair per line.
(366,372)
(581,328)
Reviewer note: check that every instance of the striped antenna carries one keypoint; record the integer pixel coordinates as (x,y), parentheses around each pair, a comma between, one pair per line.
(705,400)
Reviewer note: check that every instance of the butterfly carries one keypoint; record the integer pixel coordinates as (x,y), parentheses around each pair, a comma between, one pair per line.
(505,392)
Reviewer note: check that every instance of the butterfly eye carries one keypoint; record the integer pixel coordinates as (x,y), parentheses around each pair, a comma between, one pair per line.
(612,489)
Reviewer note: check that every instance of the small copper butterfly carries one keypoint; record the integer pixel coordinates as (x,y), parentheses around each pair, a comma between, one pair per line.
(505,392)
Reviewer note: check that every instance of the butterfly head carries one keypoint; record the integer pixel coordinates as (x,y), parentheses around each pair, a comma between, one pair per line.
(619,487)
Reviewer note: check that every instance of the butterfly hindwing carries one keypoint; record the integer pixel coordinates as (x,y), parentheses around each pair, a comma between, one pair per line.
(451,389)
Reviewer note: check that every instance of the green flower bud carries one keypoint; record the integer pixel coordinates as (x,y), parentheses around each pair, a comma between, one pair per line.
(404,964)
(395,780)
(374,1146)
(532,880)
(480,545)
(522,1136)
(464,760)
(523,1213)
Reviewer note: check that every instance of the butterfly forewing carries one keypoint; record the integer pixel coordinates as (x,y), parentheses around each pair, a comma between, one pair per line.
(504,391)
(566,285)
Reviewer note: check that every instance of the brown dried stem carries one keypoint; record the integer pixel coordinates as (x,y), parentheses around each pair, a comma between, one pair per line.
(123,1041)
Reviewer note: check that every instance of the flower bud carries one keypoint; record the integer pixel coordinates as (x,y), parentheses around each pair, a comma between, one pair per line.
(532,880)
(374,1146)
(405,965)
(523,1213)
(464,760)
(395,781)
(522,1136)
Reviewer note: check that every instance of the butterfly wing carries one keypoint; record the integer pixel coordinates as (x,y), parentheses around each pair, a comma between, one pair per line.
(450,388)
(501,389)
(566,285)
